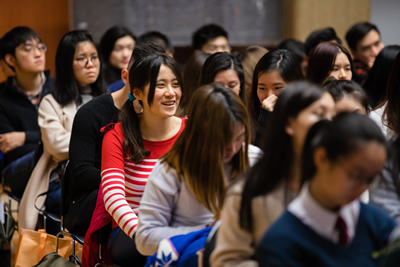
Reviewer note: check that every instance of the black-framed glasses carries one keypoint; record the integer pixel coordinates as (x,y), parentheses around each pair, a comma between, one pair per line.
(83,61)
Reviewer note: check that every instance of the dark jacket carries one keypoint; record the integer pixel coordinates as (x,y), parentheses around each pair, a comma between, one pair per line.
(18,114)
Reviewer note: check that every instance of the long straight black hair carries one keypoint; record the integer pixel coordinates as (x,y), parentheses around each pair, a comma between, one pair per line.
(288,67)
(378,76)
(275,167)
(143,72)
(346,133)
(66,89)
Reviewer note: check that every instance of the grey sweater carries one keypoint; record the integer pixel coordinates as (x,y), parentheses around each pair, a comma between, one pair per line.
(169,208)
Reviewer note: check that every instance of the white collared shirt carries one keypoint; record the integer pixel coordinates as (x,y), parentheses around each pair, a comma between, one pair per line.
(321,220)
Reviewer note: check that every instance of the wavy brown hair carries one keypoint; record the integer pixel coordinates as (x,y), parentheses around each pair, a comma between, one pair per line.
(197,155)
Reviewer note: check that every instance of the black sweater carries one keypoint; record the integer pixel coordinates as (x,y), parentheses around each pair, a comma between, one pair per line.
(86,142)
(17,114)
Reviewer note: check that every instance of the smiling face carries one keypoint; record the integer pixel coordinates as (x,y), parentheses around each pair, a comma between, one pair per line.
(342,68)
(270,83)
(29,57)
(236,143)
(339,183)
(229,79)
(121,54)
(167,94)
(368,48)
(86,64)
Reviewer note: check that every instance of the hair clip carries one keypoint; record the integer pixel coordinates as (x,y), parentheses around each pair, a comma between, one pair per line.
(131,97)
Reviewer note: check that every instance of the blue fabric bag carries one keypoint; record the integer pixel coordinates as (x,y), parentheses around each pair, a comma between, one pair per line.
(180,250)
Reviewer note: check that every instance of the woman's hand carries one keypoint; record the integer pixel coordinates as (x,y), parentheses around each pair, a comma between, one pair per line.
(269,102)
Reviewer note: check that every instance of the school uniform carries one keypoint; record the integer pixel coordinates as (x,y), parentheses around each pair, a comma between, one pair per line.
(308,234)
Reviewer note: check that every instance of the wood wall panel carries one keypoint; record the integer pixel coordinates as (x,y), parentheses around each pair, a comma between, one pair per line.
(301,17)
(49,18)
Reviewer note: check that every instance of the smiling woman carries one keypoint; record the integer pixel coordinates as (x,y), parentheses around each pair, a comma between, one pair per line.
(131,149)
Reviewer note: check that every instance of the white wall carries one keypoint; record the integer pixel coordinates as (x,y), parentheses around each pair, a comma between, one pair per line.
(385,14)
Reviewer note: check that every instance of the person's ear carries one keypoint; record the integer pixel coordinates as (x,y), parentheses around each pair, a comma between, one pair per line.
(125,76)
(289,127)
(137,93)
(320,157)
(10,60)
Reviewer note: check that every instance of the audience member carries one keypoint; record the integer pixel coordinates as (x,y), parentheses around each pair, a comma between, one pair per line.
(191,78)
(25,54)
(116,48)
(272,73)
(158,38)
(261,196)
(78,80)
(348,96)
(186,190)
(86,143)
(297,48)
(386,115)
(131,149)
(225,69)
(211,39)
(376,83)
(329,59)
(365,43)
(249,58)
(332,227)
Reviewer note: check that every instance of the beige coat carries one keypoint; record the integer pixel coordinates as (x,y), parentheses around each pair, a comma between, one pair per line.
(55,123)
(234,245)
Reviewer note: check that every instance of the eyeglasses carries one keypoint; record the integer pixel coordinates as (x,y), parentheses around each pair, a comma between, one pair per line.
(29,48)
(84,61)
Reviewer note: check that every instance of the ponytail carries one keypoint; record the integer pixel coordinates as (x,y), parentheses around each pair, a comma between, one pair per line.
(133,140)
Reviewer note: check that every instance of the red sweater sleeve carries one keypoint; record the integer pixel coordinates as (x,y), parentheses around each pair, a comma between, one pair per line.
(113,181)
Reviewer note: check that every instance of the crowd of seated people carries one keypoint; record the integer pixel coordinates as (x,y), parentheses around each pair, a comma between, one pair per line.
(280,157)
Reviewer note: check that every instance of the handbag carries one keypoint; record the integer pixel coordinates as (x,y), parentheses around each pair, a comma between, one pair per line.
(34,245)
(55,259)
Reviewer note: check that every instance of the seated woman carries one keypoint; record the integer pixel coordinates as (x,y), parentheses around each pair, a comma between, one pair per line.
(78,80)
(271,74)
(261,196)
(224,69)
(332,227)
(186,189)
(376,83)
(387,113)
(131,148)
(116,46)
(348,96)
(329,59)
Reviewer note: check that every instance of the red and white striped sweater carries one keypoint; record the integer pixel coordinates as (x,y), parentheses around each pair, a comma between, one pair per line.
(123,181)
